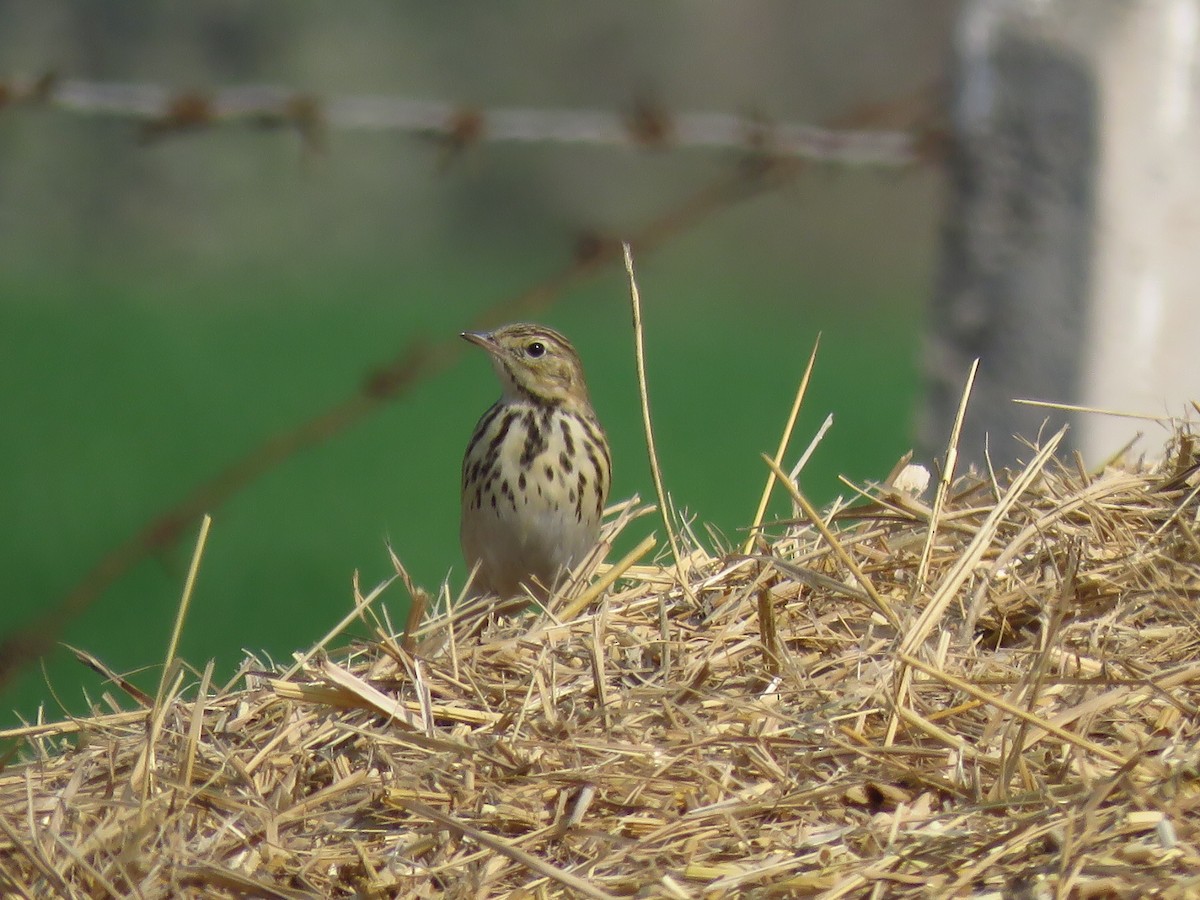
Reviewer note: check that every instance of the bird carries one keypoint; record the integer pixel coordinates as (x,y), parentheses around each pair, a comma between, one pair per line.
(537,470)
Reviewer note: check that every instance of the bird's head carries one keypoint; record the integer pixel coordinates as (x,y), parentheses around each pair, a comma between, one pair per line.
(535,362)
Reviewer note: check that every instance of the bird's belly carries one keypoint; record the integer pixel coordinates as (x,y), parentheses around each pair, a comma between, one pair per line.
(531,544)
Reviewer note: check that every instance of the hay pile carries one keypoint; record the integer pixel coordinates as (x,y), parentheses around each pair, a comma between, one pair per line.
(1006,704)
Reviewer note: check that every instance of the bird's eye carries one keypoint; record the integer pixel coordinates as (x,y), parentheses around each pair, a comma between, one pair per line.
(536,349)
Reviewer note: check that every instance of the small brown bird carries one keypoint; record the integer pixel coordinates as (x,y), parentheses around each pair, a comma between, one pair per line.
(537,471)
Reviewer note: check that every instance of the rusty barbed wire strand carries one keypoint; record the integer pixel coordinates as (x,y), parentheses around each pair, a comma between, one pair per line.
(161,111)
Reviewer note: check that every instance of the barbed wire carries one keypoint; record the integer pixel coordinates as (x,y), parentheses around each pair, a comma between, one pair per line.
(161,110)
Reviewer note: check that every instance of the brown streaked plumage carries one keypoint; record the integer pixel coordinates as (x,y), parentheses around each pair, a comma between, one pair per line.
(537,470)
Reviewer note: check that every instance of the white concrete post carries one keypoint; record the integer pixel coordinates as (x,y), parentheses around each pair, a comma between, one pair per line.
(1071,254)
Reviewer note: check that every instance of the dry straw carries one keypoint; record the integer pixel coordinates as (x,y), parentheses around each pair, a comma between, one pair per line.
(1010,708)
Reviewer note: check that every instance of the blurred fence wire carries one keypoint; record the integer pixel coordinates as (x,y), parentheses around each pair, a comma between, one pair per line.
(161,110)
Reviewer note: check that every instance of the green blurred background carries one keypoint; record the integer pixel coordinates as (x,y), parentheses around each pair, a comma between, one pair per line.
(167,307)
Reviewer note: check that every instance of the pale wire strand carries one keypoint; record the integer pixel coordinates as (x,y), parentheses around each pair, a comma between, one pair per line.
(271,103)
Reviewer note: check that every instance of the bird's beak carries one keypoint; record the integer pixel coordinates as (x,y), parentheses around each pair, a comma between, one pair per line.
(480,339)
